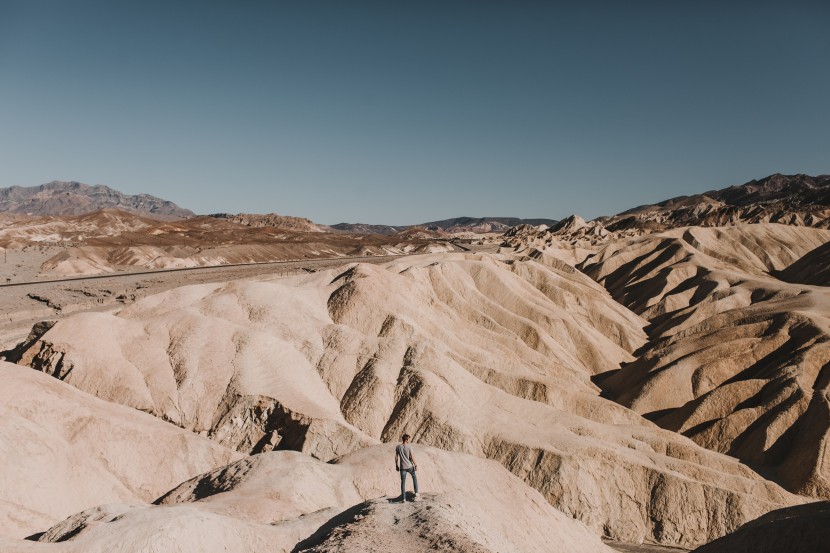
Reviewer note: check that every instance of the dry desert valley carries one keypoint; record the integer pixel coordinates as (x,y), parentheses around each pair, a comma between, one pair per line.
(655,380)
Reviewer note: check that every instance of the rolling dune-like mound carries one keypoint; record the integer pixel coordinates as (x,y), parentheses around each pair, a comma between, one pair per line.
(737,359)
(62,451)
(491,356)
(194,355)
(467,496)
(750,382)
(286,501)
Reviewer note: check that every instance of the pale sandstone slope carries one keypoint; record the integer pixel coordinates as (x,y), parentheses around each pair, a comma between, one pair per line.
(72,229)
(91,260)
(571,240)
(208,356)
(487,504)
(286,501)
(738,358)
(469,353)
(664,272)
(62,450)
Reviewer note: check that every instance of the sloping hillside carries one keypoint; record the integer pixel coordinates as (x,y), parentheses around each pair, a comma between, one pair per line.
(469,353)
(76,198)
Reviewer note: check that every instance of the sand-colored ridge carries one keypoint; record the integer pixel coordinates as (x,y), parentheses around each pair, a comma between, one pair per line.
(488,355)
(737,357)
(477,488)
(62,450)
(659,379)
(285,501)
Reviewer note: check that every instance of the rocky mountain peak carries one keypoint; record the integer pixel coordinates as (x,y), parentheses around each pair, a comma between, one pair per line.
(76,198)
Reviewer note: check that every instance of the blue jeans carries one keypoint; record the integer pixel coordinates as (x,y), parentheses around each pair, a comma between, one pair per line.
(403,481)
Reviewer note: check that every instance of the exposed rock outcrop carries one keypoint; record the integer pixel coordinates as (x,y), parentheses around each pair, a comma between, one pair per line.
(285,222)
(76,198)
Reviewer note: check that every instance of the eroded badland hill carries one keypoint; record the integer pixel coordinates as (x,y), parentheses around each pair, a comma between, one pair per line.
(657,377)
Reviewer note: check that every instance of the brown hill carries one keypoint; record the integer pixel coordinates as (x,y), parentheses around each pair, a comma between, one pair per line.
(75,198)
(482,224)
(112,240)
(802,529)
(797,200)
(285,222)
(789,199)
(456,225)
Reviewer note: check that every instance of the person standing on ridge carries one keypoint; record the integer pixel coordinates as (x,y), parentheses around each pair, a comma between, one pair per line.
(405,462)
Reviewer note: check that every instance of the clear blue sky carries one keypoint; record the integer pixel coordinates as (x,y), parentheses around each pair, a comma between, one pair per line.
(401,112)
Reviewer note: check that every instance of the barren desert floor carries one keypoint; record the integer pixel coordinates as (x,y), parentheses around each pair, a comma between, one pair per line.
(43,297)
(33,295)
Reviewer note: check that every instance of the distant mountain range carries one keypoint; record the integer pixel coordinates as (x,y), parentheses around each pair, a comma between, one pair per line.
(365,228)
(790,199)
(76,198)
(452,226)
(799,199)
(796,190)
(795,200)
